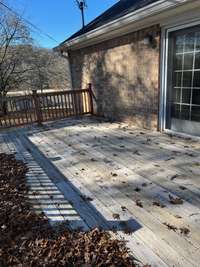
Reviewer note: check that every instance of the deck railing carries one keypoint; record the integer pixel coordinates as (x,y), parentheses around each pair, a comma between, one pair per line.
(41,107)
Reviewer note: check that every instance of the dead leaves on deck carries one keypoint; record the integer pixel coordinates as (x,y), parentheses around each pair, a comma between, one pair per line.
(86,198)
(116,216)
(181,230)
(175,200)
(138,202)
(158,204)
(26,239)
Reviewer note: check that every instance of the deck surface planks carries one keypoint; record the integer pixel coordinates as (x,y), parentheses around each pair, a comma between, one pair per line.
(107,162)
(61,147)
(80,140)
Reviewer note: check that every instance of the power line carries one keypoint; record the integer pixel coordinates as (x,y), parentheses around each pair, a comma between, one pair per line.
(30,23)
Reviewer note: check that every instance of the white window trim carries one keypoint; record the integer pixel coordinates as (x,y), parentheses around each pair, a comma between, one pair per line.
(164,69)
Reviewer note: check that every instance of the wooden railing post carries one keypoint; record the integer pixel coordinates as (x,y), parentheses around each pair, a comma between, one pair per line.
(38,109)
(91,98)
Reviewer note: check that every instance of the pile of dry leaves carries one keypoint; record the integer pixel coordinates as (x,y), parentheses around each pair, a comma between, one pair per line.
(26,239)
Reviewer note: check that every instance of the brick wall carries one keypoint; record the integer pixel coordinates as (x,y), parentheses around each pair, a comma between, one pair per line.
(124,73)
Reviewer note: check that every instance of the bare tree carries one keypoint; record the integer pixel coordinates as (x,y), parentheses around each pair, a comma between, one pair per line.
(24,66)
(14,40)
(40,62)
(48,69)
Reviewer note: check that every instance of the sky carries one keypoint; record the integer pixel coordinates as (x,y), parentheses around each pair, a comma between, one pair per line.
(58,18)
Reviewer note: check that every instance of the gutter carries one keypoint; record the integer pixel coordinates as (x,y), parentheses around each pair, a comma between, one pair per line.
(133,17)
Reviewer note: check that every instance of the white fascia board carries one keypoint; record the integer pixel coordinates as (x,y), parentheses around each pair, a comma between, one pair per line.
(118,24)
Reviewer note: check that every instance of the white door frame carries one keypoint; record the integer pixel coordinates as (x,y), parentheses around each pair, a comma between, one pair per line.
(164,68)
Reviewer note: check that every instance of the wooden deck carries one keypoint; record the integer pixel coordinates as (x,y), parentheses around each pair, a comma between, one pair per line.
(111,175)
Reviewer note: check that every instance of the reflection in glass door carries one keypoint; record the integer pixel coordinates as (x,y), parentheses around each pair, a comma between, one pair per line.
(183,87)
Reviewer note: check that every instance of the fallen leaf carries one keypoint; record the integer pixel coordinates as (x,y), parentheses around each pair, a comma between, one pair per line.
(86,198)
(177,216)
(182,187)
(144,184)
(116,216)
(156,165)
(92,159)
(174,177)
(170,226)
(170,158)
(175,201)
(136,152)
(158,204)
(139,203)
(137,189)
(184,230)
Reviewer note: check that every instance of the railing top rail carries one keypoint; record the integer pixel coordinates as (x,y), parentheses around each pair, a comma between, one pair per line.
(47,94)
(18,97)
(63,92)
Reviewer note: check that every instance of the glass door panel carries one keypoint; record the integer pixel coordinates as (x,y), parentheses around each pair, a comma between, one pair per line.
(183,85)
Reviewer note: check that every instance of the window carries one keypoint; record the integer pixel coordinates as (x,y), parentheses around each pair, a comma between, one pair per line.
(185,91)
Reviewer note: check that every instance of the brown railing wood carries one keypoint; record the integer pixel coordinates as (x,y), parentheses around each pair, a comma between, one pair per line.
(41,107)
(37,105)
(91,98)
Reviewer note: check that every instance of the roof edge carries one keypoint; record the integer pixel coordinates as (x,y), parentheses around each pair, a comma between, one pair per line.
(108,28)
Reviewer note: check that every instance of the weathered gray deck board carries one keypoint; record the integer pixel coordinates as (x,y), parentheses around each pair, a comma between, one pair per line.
(92,218)
(163,195)
(72,141)
(60,147)
(151,153)
(107,162)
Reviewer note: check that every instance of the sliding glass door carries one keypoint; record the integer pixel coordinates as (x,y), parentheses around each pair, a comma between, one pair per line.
(183,84)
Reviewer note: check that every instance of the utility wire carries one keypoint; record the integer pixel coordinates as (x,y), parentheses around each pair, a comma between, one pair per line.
(29,23)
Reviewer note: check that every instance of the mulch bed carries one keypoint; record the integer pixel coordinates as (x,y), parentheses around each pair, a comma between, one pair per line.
(27,239)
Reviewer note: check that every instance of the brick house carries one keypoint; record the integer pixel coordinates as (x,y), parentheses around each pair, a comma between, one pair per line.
(143,60)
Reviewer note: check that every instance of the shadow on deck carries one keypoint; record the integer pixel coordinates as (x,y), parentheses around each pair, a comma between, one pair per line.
(54,195)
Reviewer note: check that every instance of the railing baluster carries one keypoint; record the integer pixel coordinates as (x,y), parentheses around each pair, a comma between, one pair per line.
(60,101)
(48,102)
(81,102)
(85,102)
(54,107)
(63,104)
(26,110)
(17,115)
(31,109)
(8,119)
(66,97)
(74,104)
(78,102)
(70,105)
(50,107)
(46,106)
